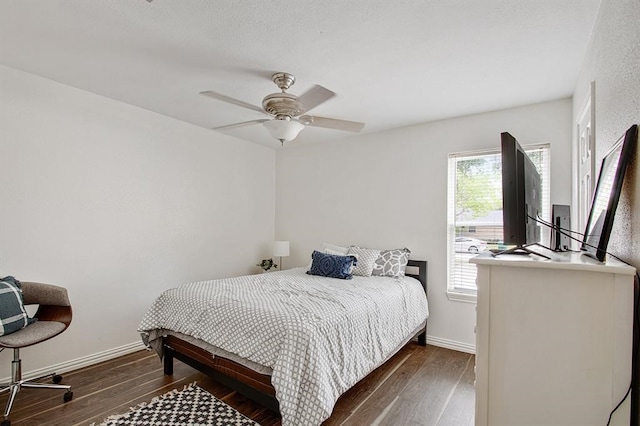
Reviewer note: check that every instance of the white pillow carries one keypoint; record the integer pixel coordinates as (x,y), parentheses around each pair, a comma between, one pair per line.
(333,249)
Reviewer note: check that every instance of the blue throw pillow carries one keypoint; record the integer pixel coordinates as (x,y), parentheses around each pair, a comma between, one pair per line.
(332,265)
(13,316)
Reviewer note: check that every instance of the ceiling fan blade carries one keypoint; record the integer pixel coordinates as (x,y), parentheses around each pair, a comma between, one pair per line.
(331,123)
(224,98)
(314,97)
(242,124)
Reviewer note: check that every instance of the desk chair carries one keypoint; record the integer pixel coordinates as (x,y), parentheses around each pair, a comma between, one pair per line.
(54,316)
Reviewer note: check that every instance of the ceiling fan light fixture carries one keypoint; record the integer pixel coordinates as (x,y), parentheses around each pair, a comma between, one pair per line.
(285,110)
(283,130)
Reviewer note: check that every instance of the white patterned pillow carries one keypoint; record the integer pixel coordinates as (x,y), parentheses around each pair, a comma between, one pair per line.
(391,263)
(366,259)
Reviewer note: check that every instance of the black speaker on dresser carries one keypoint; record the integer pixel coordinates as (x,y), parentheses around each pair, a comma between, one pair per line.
(561,219)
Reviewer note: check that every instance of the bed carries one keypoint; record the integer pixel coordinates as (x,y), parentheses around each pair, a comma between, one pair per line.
(288,340)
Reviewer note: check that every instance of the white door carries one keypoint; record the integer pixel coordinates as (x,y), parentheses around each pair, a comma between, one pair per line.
(585,149)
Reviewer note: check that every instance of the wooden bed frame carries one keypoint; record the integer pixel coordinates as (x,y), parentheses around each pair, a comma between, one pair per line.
(253,385)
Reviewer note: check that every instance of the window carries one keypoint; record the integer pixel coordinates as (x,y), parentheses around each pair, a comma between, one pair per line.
(475,212)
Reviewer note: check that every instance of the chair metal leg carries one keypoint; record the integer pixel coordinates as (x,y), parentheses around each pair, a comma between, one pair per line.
(16,367)
(44,386)
(17,383)
(12,397)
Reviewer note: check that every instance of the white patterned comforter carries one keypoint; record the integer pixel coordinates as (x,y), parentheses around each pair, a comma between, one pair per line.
(319,335)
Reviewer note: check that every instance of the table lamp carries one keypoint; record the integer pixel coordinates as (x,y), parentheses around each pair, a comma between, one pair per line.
(280,249)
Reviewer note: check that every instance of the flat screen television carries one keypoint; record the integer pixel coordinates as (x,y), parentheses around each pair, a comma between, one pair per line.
(605,199)
(521,198)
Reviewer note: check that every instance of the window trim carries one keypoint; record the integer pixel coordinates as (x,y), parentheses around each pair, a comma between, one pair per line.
(460,296)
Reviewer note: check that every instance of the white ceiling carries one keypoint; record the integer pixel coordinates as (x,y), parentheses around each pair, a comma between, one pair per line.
(392,63)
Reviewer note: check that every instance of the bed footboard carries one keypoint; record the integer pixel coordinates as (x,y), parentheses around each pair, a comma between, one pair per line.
(249,383)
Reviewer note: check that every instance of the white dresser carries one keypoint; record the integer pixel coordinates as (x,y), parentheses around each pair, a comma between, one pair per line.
(553,340)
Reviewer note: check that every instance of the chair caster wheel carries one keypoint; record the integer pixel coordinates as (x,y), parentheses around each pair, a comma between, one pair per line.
(68,396)
(57,378)
(6,423)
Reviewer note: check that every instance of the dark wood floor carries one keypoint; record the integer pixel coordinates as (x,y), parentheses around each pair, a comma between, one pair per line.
(418,386)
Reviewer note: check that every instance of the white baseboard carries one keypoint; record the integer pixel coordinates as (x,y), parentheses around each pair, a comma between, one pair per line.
(81,362)
(96,358)
(451,344)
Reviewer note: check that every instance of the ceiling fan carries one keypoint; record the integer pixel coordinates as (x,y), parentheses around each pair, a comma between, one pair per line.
(288,112)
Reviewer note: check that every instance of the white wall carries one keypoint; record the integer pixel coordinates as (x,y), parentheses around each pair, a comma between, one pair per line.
(613,62)
(117,204)
(389,190)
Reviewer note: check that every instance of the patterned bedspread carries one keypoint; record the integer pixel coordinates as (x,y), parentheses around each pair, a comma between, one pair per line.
(319,335)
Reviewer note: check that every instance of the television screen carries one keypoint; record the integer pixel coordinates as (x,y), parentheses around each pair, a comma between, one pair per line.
(521,197)
(532,201)
(605,199)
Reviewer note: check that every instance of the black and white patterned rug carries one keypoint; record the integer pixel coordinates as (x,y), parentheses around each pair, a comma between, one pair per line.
(190,406)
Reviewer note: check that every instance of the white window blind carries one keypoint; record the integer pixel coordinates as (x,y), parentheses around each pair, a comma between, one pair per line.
(475,209)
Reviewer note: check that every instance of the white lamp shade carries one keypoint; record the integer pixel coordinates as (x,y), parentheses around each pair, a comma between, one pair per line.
(283,130)
(281,248)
